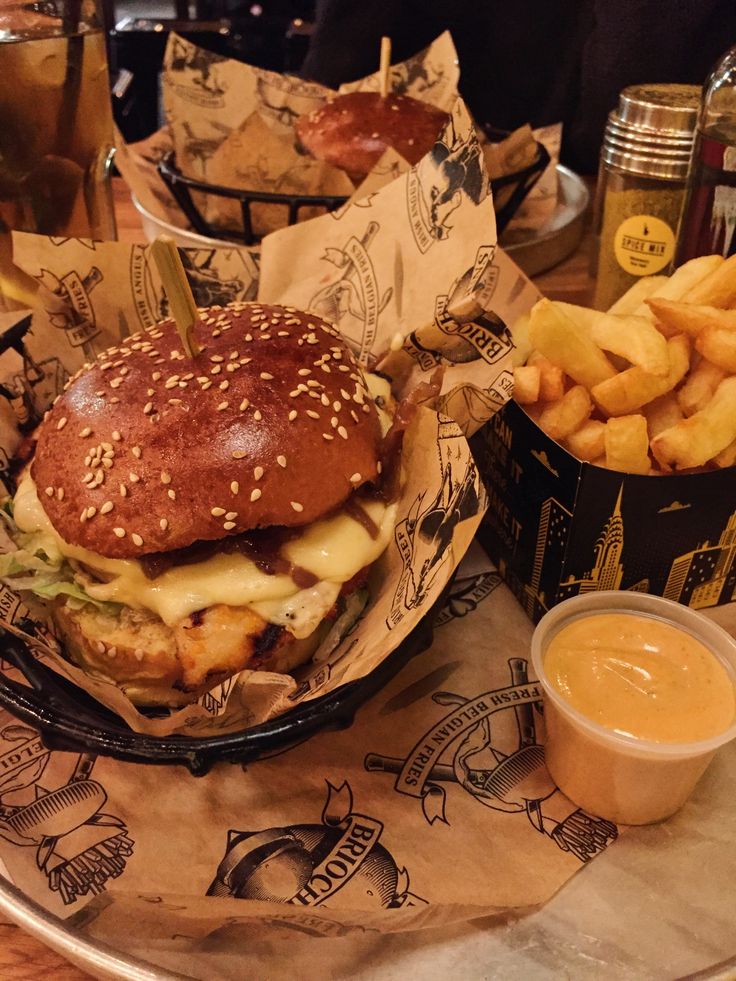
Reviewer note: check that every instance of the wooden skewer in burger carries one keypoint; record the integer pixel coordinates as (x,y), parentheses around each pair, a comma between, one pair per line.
(196,515)
(354,130)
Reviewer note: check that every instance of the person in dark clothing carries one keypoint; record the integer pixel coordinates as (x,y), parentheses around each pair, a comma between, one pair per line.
(535,61)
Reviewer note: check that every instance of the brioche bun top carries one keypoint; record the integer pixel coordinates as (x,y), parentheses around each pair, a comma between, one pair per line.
(353,131)
(149,450)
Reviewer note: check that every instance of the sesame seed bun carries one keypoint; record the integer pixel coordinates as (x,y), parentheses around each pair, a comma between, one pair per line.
(353,131)
(150,451)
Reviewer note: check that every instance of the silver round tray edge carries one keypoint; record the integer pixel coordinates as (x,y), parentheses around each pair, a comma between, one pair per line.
(535,251)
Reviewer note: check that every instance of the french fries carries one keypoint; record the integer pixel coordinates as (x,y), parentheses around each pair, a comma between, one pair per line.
(690,318)
(626,442)
(694,441)
(560,419)
(662,413)
(551,378)
(634,338)
(588,442)
(646,387)
(559,339)
(684,280)
(698,388)
(633,388)
(526,384)
(520,337)
(718,344)
(718,288)
(727,457)
(632,299)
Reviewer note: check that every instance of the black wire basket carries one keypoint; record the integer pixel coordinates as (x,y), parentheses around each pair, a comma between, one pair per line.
(69,719)
(182,188)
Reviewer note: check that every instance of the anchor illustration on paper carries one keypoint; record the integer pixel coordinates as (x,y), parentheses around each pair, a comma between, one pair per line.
(78,846)
(515,782)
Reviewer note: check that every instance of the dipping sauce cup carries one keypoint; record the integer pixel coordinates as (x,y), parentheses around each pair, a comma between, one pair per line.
(608,769)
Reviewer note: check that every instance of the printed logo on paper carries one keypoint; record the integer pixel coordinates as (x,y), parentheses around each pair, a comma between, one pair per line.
(283,98)
(353,300)
(486,745)
(27,386)
(466,594)
(333,863)
(435,187)
(200,72)
(77,320)
(424,537)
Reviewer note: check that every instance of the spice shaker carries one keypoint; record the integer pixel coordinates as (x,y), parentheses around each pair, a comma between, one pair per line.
(641,184)
(708,223)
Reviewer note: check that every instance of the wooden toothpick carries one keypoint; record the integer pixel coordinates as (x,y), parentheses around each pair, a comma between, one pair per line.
(384,71)
(177,289)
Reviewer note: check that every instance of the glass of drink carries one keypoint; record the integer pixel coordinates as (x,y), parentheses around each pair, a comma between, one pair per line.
(56,130)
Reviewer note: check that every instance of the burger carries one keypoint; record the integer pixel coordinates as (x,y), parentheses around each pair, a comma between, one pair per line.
(353,131)
(191,517)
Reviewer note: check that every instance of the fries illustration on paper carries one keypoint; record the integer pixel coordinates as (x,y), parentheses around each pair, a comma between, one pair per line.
(77,318)
(340,862)
(514,782)
(79,847)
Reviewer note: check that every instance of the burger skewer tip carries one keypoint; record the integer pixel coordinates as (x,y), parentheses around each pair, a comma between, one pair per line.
(176,286)
(384,71)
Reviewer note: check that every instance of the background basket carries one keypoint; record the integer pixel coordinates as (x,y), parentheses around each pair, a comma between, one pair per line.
(182,187)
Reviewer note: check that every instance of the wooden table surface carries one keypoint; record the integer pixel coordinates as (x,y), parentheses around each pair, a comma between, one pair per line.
(22,958)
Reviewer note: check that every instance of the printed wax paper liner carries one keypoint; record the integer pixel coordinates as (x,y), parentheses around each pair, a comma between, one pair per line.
(379,275)
(383,260)
(435,806)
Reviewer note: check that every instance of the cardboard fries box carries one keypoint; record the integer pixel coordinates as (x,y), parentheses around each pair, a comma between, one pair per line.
(556,527)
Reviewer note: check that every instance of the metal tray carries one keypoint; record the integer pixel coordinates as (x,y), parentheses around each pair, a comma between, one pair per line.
(645,901)
(537,250)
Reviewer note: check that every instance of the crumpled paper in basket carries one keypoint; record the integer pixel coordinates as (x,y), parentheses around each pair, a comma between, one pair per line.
(434,807)
(382,268)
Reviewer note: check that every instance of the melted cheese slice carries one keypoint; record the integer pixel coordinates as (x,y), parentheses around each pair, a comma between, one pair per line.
(333,550)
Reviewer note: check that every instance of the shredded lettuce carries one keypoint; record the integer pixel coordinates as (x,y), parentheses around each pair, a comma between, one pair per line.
(355,603)
(34,563)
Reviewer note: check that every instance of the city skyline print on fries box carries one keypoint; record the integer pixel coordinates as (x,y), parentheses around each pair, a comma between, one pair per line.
(557,527)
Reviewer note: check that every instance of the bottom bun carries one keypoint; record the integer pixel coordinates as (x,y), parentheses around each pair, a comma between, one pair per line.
(157,665)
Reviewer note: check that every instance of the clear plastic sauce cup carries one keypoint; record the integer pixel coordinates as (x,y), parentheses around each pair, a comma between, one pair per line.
(616,776)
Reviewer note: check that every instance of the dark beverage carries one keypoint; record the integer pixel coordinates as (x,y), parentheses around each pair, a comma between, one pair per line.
(709,216)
